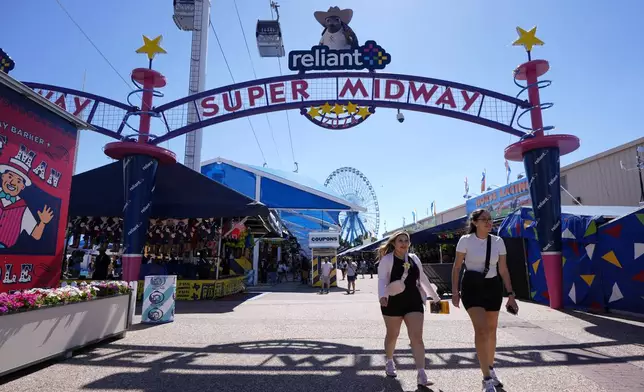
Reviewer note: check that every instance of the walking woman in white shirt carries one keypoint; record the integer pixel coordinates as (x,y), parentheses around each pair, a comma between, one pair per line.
(482,290)
(403,289)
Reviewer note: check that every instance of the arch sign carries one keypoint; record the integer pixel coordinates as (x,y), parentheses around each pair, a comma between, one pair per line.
(338,85)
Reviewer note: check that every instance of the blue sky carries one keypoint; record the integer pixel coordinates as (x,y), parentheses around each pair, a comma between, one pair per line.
(592,48)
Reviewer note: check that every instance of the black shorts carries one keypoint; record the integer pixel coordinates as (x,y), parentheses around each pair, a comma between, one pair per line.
(351,278)
(403,303)
(477,291)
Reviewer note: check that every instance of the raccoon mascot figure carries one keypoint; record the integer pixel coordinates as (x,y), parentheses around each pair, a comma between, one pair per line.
(337,34)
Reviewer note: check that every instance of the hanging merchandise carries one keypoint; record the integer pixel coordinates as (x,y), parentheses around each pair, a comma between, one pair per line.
(164,236)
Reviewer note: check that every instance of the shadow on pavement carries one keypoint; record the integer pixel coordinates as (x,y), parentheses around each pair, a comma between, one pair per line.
(219,305)
(293,365)
(623,329)
(290,287)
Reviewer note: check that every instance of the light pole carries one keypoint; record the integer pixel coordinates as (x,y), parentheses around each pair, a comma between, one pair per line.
(639,154)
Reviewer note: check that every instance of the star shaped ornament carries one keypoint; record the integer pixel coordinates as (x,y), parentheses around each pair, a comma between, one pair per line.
(151,47)
(364,112)
(527,39)
(326,108)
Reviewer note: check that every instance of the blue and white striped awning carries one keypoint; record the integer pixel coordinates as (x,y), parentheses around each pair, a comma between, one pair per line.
(302,204)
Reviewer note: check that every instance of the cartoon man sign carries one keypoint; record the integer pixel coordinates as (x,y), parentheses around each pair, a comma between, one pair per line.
(15,215)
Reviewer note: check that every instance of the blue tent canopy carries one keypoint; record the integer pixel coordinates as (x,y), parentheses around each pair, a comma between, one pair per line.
(430,234)
(180,193)
(303,204)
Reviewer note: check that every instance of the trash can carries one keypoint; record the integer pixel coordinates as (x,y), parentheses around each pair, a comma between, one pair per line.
(158,299)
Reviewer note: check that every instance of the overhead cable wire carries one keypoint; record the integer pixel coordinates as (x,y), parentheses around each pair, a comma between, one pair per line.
(233,79)
(288,120)
(94,45)
(241,25)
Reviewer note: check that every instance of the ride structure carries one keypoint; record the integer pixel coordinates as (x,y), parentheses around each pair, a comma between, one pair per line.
(337,88)
(194,16)
(354,186)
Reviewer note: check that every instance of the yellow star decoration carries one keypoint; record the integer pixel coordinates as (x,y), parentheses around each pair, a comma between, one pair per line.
(527,39)
(338,110)
(326,108)
(151,47)
(364,112)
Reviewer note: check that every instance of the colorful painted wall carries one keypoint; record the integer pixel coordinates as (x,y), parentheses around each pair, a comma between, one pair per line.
(603,262)
(619,253)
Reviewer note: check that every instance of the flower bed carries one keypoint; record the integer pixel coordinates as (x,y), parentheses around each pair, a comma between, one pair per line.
(33,299)
(41,324)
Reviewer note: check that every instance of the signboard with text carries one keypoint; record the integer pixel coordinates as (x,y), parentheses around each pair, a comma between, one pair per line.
(36,166)
(502,201)
(324,240)
(369,56)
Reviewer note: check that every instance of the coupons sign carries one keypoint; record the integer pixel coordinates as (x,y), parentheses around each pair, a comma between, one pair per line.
(324,240)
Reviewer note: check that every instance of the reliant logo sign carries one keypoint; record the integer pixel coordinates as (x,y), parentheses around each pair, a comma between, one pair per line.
(369,56)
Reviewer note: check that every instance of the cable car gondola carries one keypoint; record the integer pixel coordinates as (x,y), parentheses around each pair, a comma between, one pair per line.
(184,14)
(269,36)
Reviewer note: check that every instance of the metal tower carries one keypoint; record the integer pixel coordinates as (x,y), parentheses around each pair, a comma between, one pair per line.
(194,15)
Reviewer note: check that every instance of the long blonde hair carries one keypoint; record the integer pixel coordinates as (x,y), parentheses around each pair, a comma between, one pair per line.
(389,246)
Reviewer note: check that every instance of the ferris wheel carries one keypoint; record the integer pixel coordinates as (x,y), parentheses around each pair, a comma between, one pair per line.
(353,186)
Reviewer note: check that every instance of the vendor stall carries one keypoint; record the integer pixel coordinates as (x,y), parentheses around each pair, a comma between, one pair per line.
(205,238)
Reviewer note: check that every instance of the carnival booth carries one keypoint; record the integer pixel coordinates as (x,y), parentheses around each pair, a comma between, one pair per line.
(38,320)
(324,246)
(204,237)
(599,256)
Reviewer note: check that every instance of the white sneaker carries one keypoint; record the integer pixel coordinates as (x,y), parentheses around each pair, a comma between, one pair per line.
(422,379)
(497,382)
(390,368)
(488,385)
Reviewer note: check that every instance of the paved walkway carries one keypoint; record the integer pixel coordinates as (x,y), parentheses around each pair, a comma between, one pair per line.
(296,340)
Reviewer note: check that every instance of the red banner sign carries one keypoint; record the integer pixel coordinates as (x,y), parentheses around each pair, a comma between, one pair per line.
(36,167)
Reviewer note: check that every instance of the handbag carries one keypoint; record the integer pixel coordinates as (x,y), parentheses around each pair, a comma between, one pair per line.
(398,286)
(486,269)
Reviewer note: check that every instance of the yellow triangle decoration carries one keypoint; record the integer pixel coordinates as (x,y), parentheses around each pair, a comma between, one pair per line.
(611,258)
(588,279)
(563,260)
(535,265)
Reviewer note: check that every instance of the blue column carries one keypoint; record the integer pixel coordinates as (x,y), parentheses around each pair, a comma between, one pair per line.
(543,170)
(139,175)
